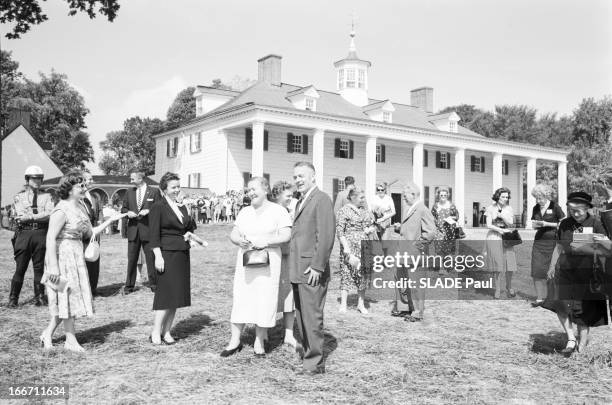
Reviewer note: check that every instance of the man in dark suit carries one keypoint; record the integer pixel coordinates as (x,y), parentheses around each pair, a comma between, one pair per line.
(92,207)
(136,203)
(312,240)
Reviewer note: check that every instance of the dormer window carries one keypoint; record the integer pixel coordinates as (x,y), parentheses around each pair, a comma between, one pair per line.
(341,79)
(386,116)
(310,104)
(350,78)
(452,126)
(361,79)
(199,109)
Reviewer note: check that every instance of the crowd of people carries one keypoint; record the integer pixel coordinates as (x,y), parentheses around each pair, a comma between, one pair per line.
(285,235)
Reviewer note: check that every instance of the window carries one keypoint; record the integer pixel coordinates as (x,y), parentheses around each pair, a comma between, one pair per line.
(350,78)
(380,153)
(248,138)
(193,180)
(337,186)
(477,164)
(195,142)
(443,160)
(172,147)
(297,143)
(343,148)
(505,167)
(246,176)
(361,79)
(386,116)
(341,79)
(452,126)
(310,104)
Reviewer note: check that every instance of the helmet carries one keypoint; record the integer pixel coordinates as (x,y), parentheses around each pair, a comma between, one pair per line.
(33,171)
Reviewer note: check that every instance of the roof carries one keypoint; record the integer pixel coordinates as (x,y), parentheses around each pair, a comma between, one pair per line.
(104,179)
(215,90)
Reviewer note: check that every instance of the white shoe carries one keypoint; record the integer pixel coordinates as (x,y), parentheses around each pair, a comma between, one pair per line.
(74,347)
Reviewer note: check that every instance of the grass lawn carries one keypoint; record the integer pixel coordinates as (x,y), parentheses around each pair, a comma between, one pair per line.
(479,351)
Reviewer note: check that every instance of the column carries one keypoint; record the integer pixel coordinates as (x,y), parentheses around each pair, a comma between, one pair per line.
(318,147)
(417,165)
(459,189)
(257,153)
(562,185)
(497,171)
(370,168)
(531,182)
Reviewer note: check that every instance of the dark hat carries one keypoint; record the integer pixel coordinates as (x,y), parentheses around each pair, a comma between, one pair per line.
(580,197)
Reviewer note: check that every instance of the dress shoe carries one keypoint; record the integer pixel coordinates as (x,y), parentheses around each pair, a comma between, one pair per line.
(153,343)
(128,290)
(168,342)
(229,352)
(400,314)
(74,347)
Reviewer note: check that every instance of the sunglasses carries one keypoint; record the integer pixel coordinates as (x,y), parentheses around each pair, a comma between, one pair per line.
(380,189)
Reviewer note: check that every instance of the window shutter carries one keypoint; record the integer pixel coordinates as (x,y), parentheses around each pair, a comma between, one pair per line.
(382,154)
(175,147)
(450,194)
(482,164)
(472,163)
(266,139)
(267,177)
(438,159)
(351,147)
(198,181)
(425,158)
(426,192)
(448,160)
(305,144)
(289,142)
(248,138)
(505,167)
(335,189)
(189,180)
(168,148)
(245,178)
(337,147)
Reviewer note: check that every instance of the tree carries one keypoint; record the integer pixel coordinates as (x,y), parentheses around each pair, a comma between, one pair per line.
(183,108)
(593,121)
(25,13)
(10,82)
(132,147)
(466,112)
(484,124)
(515,123)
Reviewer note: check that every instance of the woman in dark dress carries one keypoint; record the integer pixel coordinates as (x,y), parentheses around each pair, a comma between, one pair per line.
(545,218)
(572,298)
(171,235)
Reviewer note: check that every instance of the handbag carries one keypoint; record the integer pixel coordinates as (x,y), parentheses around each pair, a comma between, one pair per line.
(256,258)
(512,238)
(92,252)
(459,233)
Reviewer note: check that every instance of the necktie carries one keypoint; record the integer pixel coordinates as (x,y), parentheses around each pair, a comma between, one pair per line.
(299,205)
(35,202)
(139,198)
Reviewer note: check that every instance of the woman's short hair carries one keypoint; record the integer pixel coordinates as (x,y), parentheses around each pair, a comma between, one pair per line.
(166,178)
(263,182)
(542,190)
(499,192)
(355,192)
(279,188)
(67,183)
(441,189)
(381,185)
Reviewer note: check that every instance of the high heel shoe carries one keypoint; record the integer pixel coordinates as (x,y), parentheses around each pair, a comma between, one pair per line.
(570,346)
(43,343)
(74,347)
(153,343)
(168,342)
(229,352)
(363,310)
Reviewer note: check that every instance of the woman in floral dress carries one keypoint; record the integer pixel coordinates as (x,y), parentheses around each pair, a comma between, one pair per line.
(446,216)
(354,223)
(68,225)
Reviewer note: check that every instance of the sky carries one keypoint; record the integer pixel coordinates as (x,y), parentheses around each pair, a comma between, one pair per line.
(547,54)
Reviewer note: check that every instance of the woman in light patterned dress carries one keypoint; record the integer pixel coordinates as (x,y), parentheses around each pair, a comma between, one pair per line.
(68,225)
(354,223)
(446,216)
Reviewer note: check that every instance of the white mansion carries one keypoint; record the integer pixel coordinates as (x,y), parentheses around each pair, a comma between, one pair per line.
(265,129)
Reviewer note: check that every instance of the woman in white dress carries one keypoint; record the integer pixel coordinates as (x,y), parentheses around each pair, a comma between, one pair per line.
(383,208)
(262,225)
(282,194)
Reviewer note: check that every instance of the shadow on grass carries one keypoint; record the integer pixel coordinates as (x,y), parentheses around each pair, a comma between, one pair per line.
(549,343)
(99,334)
(191,326)
(110,290)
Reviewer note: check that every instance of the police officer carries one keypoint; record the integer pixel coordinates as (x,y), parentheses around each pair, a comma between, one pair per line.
(32,209)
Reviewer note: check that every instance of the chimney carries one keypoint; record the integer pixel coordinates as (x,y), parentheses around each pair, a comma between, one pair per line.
(270,69)
(18,116)
(422,98)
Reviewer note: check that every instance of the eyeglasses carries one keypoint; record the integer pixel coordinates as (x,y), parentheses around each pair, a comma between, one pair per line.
(82,185)
(380,189)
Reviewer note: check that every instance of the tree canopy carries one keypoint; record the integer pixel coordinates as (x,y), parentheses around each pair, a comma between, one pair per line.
(25,13)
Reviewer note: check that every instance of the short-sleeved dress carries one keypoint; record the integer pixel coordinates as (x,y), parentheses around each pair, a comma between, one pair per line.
(351,223)
(255,293)
(571,293)
(544,240)
(77,301)
(500,259)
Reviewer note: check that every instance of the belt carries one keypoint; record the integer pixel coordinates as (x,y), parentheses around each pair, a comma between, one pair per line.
(33,226)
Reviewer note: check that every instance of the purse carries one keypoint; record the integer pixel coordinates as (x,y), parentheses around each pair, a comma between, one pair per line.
(512,238)
(92,252)
(256,258)
(459,233)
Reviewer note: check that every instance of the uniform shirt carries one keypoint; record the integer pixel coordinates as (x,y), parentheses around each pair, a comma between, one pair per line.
(44,202)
